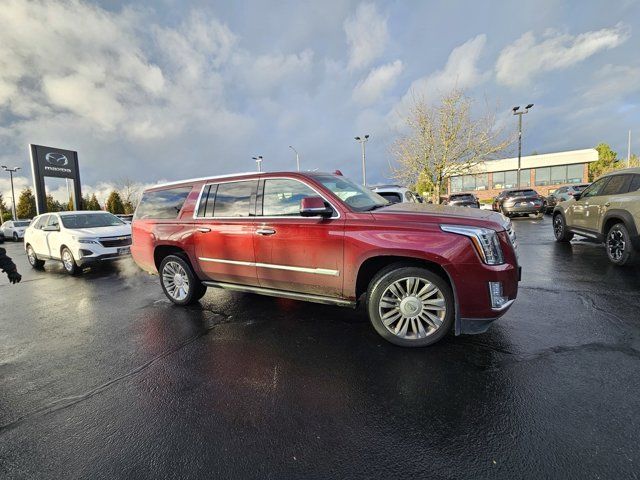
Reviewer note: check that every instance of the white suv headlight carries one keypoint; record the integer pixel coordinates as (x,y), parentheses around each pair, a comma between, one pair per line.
(485,240)
(86,240)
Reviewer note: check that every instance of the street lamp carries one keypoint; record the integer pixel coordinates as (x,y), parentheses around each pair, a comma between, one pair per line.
(362,141)
(258,160)
(297,157)
(517,111)
(11,171)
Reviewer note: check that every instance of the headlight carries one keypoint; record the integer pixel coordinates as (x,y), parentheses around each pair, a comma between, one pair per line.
(485,240)
(86,240)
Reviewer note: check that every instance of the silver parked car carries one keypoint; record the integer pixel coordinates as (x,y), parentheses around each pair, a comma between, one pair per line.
(14,229)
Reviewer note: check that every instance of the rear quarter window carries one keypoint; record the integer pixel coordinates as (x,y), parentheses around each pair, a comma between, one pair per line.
(392,197)
(162,204)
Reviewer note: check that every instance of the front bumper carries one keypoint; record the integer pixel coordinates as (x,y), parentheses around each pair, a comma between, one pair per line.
(85,254)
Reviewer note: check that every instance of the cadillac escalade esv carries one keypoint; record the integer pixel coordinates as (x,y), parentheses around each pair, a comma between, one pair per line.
(420,270)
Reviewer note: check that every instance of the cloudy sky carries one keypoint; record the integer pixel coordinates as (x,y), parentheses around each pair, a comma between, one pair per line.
(171,89)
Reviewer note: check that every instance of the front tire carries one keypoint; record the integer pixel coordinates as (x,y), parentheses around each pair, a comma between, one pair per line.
(15,237)
(68,262)
(560,229)
(33,258)
(179,282)
(410,306)
(618,244)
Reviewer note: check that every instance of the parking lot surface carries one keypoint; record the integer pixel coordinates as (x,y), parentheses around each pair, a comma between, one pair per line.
(101,377)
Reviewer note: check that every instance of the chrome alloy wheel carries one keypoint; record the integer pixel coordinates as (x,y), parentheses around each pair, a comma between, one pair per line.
(557,226)
(412,308)
(67,260)
(616,244)
(31,255)
(175,280)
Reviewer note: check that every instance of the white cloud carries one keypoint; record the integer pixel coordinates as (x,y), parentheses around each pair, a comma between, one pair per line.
(367,36)
(613,82)
(264,73)
(378,81)
(460,71)
(521,61)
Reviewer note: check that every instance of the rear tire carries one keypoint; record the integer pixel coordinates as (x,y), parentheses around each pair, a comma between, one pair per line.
(410,306)
(179,282)
(68,262)
(33,258)
(560,229)
(618,244)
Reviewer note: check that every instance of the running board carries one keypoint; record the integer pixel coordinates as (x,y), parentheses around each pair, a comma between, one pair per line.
(305,297)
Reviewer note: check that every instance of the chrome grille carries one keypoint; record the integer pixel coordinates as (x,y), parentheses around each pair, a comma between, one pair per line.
(123,241)
(512,237)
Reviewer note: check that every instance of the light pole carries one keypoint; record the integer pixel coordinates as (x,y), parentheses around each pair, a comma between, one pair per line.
(517,111)
(258,160)
(362,141)
(297,157)
(11,171)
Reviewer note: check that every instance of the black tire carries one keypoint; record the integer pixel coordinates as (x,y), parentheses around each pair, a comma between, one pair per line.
(15,237)
(560,229)
(68,262)
(618,245)
(175,288)
(33,258)
(391,277)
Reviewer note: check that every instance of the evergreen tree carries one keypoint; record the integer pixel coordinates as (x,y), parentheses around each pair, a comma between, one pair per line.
(128,208)
(4,210)
(26,207)
(114,203)
(93,204)
(53,205)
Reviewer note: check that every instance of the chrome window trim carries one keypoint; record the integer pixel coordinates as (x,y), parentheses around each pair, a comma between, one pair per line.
(317,271)
(297,217)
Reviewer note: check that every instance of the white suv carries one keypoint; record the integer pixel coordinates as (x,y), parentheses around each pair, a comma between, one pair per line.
(14,229)
(396,194)
(77,239)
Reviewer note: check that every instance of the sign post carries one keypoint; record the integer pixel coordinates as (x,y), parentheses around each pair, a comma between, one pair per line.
(54,162)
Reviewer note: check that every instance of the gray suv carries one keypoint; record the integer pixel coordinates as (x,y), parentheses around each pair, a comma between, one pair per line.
(606,211)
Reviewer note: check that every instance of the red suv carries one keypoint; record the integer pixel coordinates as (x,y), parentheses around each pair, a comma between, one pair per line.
(421,270)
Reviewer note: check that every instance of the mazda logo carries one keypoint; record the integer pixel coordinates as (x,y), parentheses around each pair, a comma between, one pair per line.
(57,159)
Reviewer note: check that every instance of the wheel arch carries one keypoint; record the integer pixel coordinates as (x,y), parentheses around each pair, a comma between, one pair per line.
(162,251)
(614,216)
(372,265)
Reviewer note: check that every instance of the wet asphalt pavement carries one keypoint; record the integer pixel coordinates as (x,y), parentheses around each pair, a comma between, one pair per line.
(100,377)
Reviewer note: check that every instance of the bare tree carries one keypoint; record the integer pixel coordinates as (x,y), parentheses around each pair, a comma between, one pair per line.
(130,192)
(443,141)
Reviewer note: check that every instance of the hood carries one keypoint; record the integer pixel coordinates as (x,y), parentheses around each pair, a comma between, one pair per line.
(422,212)
(116,231)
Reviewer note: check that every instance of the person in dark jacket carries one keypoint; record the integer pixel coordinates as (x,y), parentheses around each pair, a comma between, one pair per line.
(8,267)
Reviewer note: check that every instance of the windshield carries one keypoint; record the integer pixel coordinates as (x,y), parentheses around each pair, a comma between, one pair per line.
(359,198)
(21,224)
(90,220)
(461,197)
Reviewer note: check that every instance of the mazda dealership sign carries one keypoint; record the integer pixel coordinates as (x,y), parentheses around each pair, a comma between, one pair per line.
(53,162)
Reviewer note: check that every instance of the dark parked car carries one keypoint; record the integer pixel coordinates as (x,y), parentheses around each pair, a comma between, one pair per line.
(463,200)
(519,201)
(1,237)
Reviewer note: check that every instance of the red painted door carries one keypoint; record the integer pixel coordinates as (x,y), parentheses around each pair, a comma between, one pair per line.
(295,253)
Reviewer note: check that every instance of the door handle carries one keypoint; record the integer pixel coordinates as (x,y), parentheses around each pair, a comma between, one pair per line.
(265,231)
(204,229)
(607,204)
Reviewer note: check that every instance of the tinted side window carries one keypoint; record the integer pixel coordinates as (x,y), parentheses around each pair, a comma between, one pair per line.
(234,199)
(617,184)
(162,204)
(635,184)
(53,221)
(595,188)
(392,197)
(282,197)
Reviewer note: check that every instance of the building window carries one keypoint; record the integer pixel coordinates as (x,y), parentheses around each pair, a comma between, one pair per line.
(543,176)
(558,175)
(456,184)
(575,172)
(482,181)
(511,179)
(468,182)
(525,177)
(498,180)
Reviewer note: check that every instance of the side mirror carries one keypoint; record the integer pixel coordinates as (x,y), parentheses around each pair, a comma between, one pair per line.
(314,207)
(51,228)
(576,196)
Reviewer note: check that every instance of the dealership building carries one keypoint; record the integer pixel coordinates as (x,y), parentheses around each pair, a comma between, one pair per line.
(541,172)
